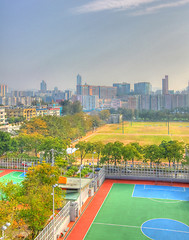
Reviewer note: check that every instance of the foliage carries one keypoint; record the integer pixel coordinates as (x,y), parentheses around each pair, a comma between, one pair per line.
(35,125)
(6,143)
(37,198)
(104,115)
(69,108)
(84,148)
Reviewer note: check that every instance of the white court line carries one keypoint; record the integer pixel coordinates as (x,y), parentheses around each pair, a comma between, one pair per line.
(98,211)
(129,226)
(133,190)
(167,190)
(162,199)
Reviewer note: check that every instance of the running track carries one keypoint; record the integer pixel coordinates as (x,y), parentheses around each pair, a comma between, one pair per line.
(81,227)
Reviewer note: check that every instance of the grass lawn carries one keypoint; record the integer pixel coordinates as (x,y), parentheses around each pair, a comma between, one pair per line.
(142,132)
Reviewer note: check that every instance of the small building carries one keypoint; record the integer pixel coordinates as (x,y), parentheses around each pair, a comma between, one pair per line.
(73,187)
(115,118)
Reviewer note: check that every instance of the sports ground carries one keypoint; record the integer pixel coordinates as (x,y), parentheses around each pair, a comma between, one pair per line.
(141,132)
(135,210)
(11,175)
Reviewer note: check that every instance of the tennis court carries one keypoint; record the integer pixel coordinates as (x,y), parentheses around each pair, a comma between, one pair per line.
(142,212)
(14,176)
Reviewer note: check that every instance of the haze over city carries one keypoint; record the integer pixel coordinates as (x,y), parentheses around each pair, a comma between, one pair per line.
(106,41)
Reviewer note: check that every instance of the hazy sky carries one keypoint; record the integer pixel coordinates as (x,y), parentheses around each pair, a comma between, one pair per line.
(105,41)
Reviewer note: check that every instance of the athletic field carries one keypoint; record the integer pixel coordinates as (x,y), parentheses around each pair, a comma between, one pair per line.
(142,132)
(135,211)
(10,175)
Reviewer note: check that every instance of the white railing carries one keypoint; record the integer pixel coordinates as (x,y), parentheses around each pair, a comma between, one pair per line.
(48,232)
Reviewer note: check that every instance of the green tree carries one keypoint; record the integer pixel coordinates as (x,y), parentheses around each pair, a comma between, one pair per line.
(37,198)
(98,146)
(107,153)
(152,153)
(104,115)
(116,151)
(84,148)
(5,142)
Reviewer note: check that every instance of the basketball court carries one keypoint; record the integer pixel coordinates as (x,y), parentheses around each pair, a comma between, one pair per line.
(135,211)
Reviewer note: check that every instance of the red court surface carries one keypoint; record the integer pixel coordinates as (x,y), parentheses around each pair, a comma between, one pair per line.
(79,229)
(7,171)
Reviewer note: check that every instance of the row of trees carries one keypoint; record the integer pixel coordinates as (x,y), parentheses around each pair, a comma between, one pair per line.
(149,115)
(42,134)
(113,153)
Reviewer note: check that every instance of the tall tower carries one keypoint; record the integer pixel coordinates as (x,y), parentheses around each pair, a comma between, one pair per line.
(43,86)
(79,83)
(165,85)
(3,90)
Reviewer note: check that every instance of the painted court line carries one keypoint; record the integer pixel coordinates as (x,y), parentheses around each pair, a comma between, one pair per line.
(129,226)
(98,211)
(146,187)
(134,189)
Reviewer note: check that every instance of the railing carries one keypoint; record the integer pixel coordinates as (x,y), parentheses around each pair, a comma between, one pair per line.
(18,163)
(48,232)
(145,171)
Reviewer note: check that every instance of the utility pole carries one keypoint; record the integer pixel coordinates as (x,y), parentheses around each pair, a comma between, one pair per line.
(122,126)
(168,124)
(52,150)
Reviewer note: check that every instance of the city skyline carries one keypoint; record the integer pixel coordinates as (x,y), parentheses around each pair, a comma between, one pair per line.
(105,41)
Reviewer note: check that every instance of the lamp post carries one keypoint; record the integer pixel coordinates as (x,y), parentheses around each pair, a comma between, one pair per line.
(80,185)
(54,237)
(93,163)
(3,228)
(52,150)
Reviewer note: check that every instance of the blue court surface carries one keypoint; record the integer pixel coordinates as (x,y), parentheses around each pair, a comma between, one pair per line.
(159,229)
(23,175)
(161,192)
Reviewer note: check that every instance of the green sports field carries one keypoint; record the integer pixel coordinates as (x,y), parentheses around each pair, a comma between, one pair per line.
(121,216)
(16,177)
(142,132)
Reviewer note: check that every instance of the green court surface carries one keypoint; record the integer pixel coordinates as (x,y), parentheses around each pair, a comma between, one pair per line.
(16,177)
(121,216)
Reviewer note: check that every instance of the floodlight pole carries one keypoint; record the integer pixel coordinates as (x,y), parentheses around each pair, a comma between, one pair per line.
(93,163)
(52,150)
(168,124)
(80,188)
(24,167)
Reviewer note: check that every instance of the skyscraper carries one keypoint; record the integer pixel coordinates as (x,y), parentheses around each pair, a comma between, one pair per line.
(122,89)
(79,81)
(142,88)
(78,86)
(43,86)
(165,87)
(3,90)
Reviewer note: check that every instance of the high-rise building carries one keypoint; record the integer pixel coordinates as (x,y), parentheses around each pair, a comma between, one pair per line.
(3,90)
(142,88)
(43,86)
(165,86)
(122,89)
(79,80)
(78,86)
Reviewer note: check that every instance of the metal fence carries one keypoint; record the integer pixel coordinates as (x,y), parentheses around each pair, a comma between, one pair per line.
(139,171)
(48,232)
(18,163)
